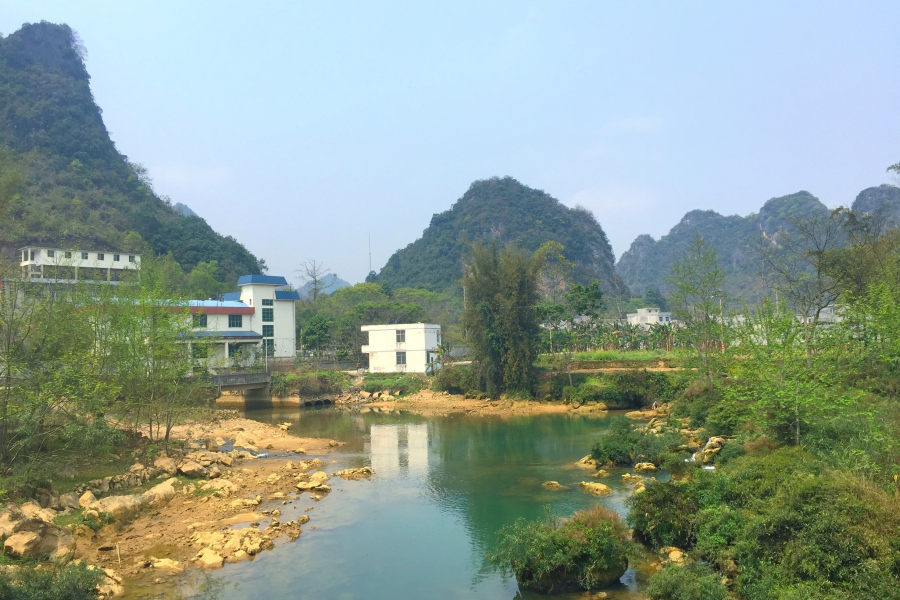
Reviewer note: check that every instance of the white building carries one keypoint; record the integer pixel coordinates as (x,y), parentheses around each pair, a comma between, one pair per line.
(645,317)
(260,319)
(405,347)
(65,266)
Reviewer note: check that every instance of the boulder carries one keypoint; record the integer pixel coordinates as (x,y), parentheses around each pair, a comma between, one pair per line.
(8,521)
(601,474)
(122,508)
(645,467)
(592,487)
(166,565)
(364,394)
(237,557)
(167,464)
(208,559)
(245,440)
(319,477)
(358,473)
(225,460)
(553,485)
(22,544)
(587,463)
(161,494)
(69,500)
(37,538)
(220,441)
(87,499)
(192,469)
(629,478)
(32,511)
(215,472)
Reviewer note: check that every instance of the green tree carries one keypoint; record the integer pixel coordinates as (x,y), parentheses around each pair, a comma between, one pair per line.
(696,281)
(500,317)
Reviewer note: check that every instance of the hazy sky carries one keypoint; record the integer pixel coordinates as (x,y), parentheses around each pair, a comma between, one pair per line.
(301,128)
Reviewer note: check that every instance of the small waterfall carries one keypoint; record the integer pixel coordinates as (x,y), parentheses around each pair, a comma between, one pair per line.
(693,457)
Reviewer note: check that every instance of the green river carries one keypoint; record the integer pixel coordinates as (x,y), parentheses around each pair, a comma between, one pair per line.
(421,526)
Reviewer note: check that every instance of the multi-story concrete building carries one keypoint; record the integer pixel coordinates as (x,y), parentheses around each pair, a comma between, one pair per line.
(260,319)
(645,317)
(42,264)
(404,347)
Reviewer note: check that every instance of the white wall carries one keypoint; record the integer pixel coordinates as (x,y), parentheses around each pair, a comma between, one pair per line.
(421,344)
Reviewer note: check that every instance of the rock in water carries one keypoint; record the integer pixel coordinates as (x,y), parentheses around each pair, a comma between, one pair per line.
(592,487)
(553,485)
(645,467)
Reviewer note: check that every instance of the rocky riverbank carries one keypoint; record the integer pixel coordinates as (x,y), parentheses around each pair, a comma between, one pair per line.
(237,488)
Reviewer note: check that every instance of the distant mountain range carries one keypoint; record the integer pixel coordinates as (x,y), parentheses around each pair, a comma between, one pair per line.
(79,191)
(502,210)
(331,283)
(647,262)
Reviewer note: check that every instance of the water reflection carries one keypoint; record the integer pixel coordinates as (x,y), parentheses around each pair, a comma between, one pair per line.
(422,525)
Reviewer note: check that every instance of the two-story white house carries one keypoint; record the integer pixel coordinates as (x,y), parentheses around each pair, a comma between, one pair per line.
(645,317)
(260,318)
(404,347)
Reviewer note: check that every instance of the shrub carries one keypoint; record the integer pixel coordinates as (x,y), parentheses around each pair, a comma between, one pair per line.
(74,581)
(588,551)
(455,379)
(726,417)
(624,443)
(692,581)
(400,384)
(663,514)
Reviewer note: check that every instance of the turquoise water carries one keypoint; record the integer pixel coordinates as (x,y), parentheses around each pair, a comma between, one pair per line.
(421,526)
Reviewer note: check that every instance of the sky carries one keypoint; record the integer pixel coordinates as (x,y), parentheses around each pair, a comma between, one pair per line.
(303,129)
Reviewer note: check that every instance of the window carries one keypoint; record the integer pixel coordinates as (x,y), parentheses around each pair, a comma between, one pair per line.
(199,320)
(68,255)
(268,315)
(401,358)
(51,253)
(101,256)
(234,350)
(268,302)
(235,320)
(268,331)
(269,347)
(115,258)
(401,337)
(131,258)
(84,256)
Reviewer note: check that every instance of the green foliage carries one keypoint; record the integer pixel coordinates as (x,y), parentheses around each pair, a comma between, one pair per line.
(78,190)
(692,581)
(308,383)
(50,581)
(500,318)
(503,211)
(399,384)
(624,443)
(457,379)
(588,551)
(663,514)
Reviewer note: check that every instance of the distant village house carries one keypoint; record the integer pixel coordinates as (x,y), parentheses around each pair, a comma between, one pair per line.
(402,348)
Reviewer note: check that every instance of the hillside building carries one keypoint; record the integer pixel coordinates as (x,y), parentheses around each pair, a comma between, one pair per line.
(45,265)
(401,348)
(645,317)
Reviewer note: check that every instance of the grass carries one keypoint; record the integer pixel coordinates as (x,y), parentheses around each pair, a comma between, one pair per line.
(619,355)
(400,384)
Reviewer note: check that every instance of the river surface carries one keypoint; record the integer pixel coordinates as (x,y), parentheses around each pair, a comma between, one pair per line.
(421,526)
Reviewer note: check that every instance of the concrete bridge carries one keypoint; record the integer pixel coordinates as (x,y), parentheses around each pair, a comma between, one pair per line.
(239,382)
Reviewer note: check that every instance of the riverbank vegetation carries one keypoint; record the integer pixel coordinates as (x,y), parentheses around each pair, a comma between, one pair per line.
(588,551)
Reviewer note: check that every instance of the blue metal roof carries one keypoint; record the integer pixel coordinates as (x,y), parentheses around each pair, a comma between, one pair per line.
(287,295)
(263,279)
(218,303)
(232,297)
(228,335)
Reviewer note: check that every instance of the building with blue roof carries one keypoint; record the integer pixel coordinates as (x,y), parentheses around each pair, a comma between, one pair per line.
(260,319)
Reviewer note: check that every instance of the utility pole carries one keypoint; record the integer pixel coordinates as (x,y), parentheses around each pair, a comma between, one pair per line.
(370,253)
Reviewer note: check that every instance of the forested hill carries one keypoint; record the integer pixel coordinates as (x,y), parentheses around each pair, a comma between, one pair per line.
(79,191)
(883,200)
(647,262)
(502,210)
